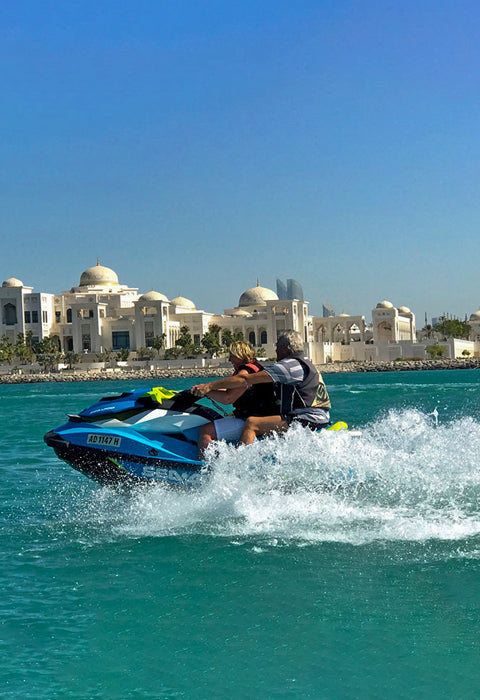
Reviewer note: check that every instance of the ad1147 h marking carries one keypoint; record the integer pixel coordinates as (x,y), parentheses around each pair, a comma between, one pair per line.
(109,440)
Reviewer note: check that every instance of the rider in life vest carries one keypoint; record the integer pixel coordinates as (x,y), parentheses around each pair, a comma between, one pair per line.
(295,400)
(301,394)
(257,400)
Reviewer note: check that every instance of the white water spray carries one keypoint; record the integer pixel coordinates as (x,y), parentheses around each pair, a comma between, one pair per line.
(405,478)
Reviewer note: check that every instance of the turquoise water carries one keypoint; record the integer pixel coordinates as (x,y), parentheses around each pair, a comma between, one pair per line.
(265,583)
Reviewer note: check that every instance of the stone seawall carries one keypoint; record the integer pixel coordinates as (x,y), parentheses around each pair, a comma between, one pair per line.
(399,365)
(158,375)
(152,376)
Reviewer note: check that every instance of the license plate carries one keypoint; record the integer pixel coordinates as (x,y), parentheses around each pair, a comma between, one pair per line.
(107,440)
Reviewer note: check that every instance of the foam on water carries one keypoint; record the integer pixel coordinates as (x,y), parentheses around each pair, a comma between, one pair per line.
(403,479)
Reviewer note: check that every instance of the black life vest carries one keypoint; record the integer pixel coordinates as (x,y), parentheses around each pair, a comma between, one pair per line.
(258,399)
(311,392)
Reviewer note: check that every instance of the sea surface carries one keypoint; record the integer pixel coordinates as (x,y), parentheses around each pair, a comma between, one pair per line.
(280,578)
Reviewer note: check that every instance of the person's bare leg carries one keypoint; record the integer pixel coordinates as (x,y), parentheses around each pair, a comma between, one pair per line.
(205,437)
(259,425)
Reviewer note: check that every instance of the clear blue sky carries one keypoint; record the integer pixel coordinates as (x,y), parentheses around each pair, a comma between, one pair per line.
(194,146)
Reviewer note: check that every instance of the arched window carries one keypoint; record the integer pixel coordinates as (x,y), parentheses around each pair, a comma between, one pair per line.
(384,332)
(69,315)
(251,337)
(10,314)
(263,338)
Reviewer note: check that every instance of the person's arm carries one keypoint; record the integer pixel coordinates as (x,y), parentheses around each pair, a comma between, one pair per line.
(227,396)
(238,381)
(222,395)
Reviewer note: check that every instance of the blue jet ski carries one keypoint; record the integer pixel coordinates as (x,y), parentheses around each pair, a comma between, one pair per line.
(138,437)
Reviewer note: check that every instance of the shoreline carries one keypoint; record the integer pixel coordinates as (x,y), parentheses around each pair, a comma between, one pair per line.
(186,373)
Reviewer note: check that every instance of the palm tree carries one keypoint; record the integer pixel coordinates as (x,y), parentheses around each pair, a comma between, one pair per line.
(159,342)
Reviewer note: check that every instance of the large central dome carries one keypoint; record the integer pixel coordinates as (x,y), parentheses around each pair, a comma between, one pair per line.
(257,296)
(98,274)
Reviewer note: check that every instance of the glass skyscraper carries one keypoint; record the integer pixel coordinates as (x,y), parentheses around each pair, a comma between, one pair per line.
(291,290)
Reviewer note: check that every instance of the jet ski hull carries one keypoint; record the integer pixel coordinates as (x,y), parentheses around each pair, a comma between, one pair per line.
(117,468)
(119,440)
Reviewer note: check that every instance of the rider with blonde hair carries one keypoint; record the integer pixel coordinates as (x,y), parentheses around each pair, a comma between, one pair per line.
(247,401)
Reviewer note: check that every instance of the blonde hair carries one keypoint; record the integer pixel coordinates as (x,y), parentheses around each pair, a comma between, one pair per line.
(242,350)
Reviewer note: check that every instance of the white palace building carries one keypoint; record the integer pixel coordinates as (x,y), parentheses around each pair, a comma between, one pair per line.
(101,314)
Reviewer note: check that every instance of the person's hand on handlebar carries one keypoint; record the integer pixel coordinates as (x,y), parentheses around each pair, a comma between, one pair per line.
(200,390)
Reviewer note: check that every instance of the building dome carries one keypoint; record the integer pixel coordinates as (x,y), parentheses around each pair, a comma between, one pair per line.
(475,316)
(343,315)
(98,274)
(241,312)
(384,305)
(183,302)
(153,296)
(257,296)
(12,282)
(404,310)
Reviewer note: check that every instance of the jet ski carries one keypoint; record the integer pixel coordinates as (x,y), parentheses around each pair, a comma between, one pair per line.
(140,436)
(136,437)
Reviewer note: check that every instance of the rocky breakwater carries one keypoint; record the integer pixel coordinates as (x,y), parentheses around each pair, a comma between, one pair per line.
(151,376)
(399,365)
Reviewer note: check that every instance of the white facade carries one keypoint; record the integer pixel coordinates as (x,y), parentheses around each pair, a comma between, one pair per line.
(391,325)
(101,314)
(22,311)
